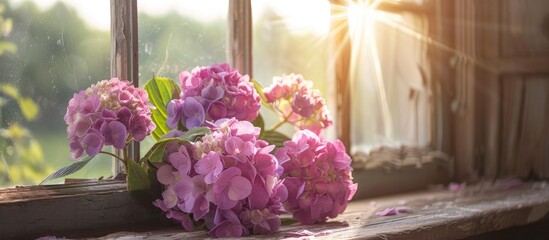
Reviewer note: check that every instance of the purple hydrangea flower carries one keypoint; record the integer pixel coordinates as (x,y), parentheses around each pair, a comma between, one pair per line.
(193,112)
(231,188)
(210,166)
(295,100)
(229,178)
(317,176)
(111,112)
(220,91)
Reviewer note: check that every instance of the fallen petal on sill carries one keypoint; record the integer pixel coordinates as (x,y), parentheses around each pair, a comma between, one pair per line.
(48,238)
(393,211)
(513,184)
(455,187)
(307,233)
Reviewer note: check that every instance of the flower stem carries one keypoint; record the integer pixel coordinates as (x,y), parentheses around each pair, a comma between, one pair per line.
(285,120)
(113,155)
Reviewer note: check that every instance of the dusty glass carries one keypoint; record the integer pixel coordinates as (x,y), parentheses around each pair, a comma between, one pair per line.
(48,51)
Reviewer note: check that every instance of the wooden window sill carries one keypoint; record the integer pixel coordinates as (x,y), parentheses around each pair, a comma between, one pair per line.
(71,210)
(437,214)
(106,210)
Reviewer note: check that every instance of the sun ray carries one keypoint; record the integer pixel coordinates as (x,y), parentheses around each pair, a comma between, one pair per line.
(429,40)
(362,35)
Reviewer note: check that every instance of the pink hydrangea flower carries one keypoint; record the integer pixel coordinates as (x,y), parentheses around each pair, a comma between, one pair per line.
(295,100)
(111,112)
(212,93)
(318,177)
(229,178)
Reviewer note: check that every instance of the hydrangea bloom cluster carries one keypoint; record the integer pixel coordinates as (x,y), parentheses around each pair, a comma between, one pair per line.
(110,112)
(212,93)
(229,178)
(298,103)
(317,175)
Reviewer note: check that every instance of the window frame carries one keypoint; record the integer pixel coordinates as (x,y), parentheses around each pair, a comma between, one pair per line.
(105,206)
(387,176)
(125,58)
(342,66)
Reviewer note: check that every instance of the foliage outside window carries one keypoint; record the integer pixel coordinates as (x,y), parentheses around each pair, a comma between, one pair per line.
(57,48)
(50,52)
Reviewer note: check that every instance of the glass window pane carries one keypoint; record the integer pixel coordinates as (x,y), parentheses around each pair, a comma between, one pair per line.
(289,37)
(388,74)
(179,35)
(48,51)
(176,36)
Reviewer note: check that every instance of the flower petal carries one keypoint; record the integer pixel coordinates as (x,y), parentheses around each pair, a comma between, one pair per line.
(239,188)
(212,92)
(174,113)
(165,175)
(259,197)
(227,228)
(210,166)
(392,211)
(92,142)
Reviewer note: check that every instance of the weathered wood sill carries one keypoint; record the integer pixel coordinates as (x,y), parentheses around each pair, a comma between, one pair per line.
(107,211)
(441,214)
(72,210)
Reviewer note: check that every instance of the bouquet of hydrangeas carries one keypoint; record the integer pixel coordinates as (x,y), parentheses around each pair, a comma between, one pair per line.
(111,112)
(213,161)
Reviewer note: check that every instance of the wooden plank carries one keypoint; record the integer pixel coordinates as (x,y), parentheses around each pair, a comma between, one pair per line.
(433,215)
(72,210)
(240,36)
(464,104)
(511,105)
(34,193)
(520,65)
(523,30)
(444,88)
(439,214)
(124,56)
(340,48)
(534,117)
(487,90)
(385,181)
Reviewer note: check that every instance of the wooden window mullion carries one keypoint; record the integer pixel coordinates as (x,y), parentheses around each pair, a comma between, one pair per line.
(124,54)
(240,36)
(340,47)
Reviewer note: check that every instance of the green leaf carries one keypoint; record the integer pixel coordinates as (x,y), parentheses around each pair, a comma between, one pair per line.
(7,47)
(153,155)
(138,177)
(29,108)
(275,138)
(156,153)
(287,221)
(6,27)
(161,91)
(259,122)
(195,134)
(259,90)
(10,91)
(72,168)
(142,183)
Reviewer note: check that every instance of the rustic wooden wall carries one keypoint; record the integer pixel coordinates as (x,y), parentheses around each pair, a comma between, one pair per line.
(498,98)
